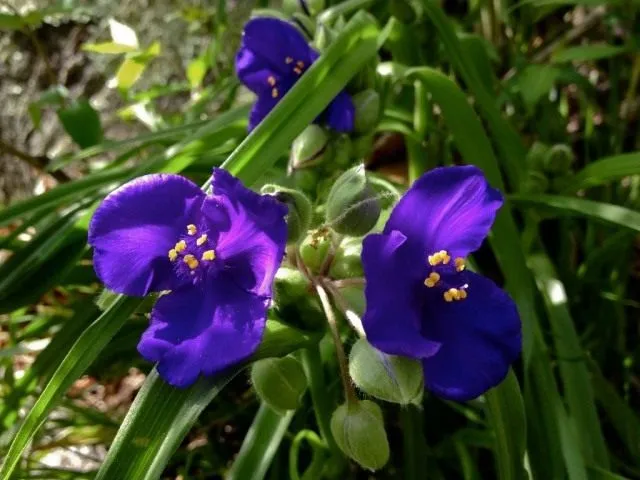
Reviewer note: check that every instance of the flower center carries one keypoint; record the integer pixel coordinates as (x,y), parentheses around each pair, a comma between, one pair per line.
(192,255)
(298,69)
(447,277)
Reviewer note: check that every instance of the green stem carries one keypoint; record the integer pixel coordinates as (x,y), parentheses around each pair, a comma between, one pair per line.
(415,445)
(322,407)
(417,157)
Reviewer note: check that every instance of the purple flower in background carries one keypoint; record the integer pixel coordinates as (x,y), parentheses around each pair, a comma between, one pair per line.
(217,254)
(272,56)
(423,303)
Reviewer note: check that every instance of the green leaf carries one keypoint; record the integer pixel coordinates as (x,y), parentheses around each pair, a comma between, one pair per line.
(572,360)
(196,70)
(505,410)
(536,81)
(129,72)
(162,415)
(81,121)
(81,354)
(570,206)
(260,444)
(110,48)
(605,170)
(587,53)
(10,21)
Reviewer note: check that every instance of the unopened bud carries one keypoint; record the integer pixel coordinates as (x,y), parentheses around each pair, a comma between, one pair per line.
(358,428)
(367,106)
(315,247)
(310,147)
(536,155)
(279,382)
(305,179)
(324,37)
(353,207)
(558,159)
(403,11)
(299,214)
(342,151)
(561,182)
(362,145)
(348,261)
(293,301)
(535,182)
(387,377)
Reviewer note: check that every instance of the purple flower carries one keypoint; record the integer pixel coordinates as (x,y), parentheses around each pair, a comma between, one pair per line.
(272,56)
(217,254)
(423,303)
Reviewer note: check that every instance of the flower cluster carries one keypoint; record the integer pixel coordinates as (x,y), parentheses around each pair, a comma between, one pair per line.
(272,57)
(214,256)
(422,301)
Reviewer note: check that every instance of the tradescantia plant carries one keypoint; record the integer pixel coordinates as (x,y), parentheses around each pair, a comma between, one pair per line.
(303,314)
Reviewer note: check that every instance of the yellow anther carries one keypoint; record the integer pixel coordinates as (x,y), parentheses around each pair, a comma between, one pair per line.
(298,70)
(274,92)
(439,257)
(202,239)
(300,63)
(288,60)
(173,254)
(454,294)
(209,255)
(271,80)
(191,261)
(191,229)
(460,265)
(432,280)
(181,246)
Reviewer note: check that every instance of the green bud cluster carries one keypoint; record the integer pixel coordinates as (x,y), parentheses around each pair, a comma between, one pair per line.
(550,168)
(279,382)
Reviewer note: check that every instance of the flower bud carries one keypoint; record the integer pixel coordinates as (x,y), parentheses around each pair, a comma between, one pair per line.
(362,145)
(558,159)
(299,214)
(310,147)
(279,382)
(324,37)
(367,107)
(561,182)
(535,182)
(315,247)
(358,429)
(342,151)
(403,11)
(348,262)
(305,180)
(536,155)
(353,207)
(387,377)
(294,303)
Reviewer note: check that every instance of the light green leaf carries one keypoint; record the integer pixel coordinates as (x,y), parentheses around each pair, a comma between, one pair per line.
(110,48)
(586,53)
(605,170)
(129,72)
(196,70)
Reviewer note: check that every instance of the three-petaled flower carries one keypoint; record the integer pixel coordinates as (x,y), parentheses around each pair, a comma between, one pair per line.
(272,57)
(217,254)
(421,300)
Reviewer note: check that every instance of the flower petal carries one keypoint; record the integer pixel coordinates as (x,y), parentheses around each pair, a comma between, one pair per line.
(341,113)
(197,331)
(392,318)
(134,228)
(448,208)
(480,337)
(264,104)
(274,41)
(253,244)
(254,72)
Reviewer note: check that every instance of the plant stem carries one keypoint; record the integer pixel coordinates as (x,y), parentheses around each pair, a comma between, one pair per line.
(413,442)
(312,364)
(349,392)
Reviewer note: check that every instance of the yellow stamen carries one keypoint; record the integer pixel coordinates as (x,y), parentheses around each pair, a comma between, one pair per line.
(202,239)
(460,264)
(181,246)
(271,80)
(274,92)
(288,60)
(432,280)
(439,257)
(191,261)
(209,255)
(463,294)
(455,294)
(191,229)
(300,63)
(173,254)
(297,70)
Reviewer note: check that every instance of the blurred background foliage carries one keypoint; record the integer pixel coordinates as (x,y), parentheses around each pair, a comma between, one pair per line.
(96,92)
